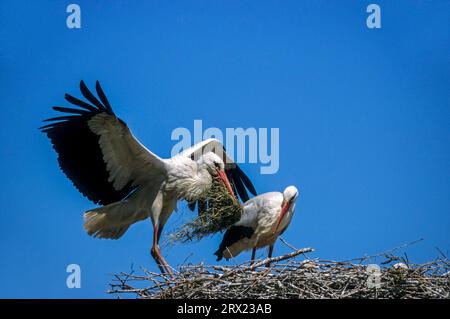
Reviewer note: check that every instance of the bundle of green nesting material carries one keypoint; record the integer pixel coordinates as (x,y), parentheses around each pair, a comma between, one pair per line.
(217,210)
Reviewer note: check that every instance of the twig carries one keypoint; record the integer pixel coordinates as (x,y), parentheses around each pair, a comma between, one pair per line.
(291,278)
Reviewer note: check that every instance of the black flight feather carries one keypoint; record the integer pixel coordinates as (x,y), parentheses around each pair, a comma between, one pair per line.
(79,153)
(247,182)
(70,110)
(232,236)
(90,97)
(80,103)
(103,97)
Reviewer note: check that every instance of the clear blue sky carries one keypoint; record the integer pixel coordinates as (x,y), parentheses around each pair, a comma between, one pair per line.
(364,118)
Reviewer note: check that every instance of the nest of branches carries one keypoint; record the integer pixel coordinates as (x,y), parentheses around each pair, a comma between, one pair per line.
(290,278)
(217,210)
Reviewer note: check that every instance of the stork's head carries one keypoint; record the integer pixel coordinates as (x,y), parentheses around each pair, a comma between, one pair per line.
(290,195)
(212,162)
(216,167)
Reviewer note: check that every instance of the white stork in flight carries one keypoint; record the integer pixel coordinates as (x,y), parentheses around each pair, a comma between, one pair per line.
(264,218)
(109,166)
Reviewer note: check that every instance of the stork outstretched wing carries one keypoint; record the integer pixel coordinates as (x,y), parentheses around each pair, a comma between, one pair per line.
(97,151)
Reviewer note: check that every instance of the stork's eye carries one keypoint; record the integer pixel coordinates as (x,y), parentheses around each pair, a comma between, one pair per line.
(217,165)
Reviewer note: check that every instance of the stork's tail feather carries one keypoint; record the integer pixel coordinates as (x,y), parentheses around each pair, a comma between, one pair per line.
(97,225)
(111,221)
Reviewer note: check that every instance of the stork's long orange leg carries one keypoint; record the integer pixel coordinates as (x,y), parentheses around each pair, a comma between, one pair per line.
(270,254)
(157,260)
(253,256)
(156,254)
(154,250)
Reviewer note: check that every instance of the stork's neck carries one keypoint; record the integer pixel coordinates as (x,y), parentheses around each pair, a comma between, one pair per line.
(201,182)
(287,218)
(190,180)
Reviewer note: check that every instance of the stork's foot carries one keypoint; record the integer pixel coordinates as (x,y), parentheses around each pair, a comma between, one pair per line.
(157,260)
(161,262)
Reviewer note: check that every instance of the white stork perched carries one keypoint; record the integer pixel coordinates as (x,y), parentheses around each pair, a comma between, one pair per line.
(264,218)
(109,166)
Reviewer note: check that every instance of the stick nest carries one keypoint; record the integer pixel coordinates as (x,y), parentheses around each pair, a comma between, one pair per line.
(289,278)
(217,210)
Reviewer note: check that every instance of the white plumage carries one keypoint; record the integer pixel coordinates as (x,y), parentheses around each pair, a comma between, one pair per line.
(106,163)
(264,218)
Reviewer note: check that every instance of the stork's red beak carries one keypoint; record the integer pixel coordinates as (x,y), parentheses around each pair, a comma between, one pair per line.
(223,177)
(284,208)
